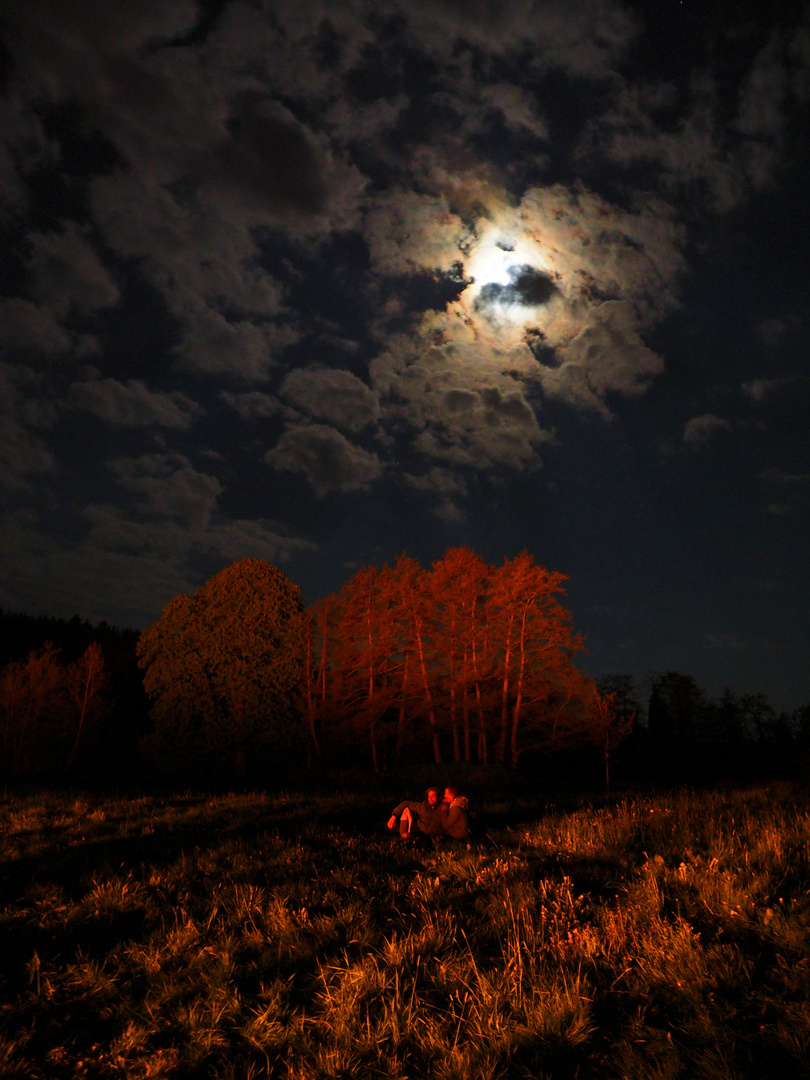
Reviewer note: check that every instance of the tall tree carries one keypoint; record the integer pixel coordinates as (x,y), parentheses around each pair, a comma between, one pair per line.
(608,727)
(454,648)
(32,712)
(540,688)
(85,683)
(411,588)
(758,716)
(676,704)
(459,588)
(320,647)
(224,667)
(364,651)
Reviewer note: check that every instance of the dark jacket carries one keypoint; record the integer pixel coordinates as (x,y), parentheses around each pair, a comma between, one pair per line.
(427,816)
(454,820)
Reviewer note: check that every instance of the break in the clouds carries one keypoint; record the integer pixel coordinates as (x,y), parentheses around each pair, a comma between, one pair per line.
(395,246)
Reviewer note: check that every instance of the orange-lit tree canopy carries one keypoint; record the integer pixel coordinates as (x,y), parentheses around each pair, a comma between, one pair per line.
(223,667)
(474,659)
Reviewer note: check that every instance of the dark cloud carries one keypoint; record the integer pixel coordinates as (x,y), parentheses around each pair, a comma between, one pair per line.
(332,394)
(24,452)
(27,328)
(787,492)
(700,430)
(268,159)
(168,486)
(243,349)
(253,405)
(326,458)
(66,272)
(771,389)
(133,404)
(527,287)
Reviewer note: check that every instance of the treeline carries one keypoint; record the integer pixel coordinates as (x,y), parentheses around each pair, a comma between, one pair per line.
(690,732)
(463,662)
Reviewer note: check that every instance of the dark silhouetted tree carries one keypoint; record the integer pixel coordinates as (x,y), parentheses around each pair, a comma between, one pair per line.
(626,692)
(758,717)
(608,727)
(800,722)
(676,703)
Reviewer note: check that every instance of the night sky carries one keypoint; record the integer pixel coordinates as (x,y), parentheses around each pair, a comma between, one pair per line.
(324,282)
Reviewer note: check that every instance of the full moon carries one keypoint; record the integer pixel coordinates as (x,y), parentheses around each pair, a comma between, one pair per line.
(510,282)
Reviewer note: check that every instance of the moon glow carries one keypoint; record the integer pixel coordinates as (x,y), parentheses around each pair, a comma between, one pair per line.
(509,282)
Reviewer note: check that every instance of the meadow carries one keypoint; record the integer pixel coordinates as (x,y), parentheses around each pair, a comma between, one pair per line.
(287,935)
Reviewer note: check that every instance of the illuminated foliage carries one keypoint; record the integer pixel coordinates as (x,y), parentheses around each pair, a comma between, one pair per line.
(224,667)
(46,708)
(477,659)
(457,583)
(419,616)
(540,688)
(31,700)
(365,649)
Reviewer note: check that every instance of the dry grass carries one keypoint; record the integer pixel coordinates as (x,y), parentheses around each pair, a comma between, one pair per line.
(253,936)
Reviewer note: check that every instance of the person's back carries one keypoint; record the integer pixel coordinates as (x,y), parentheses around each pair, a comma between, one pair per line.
(454,814)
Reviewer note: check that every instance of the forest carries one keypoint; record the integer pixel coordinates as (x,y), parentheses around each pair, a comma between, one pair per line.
(463,664)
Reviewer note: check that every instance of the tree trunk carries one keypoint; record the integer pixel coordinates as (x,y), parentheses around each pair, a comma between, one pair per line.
(314,744)
(500,749)
(483,754)
(372,734)
(371,722)
(519,693)
(434,731)
(402,713)
(466,710)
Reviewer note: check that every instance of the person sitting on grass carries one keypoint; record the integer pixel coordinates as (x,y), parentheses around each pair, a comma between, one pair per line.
(417,818)
(453,819)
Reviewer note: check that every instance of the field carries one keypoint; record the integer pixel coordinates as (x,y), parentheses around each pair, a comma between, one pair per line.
(252,935)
